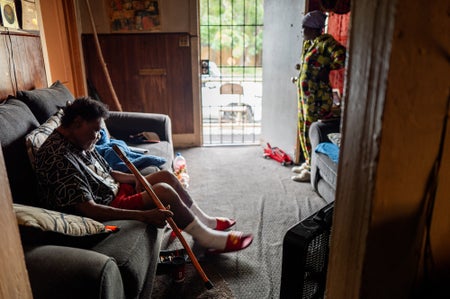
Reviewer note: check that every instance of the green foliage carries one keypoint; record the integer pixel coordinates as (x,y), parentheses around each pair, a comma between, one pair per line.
(233,27)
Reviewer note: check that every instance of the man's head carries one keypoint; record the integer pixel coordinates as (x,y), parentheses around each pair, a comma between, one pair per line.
(313,24)
(82,121)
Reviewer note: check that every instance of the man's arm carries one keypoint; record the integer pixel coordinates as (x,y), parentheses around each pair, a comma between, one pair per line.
(122,177)
(100,212)
(337,56)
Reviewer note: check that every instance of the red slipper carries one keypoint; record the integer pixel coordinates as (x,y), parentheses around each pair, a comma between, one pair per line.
(236,241)
(224,223)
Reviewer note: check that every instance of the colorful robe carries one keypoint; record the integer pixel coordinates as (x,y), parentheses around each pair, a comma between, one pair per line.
(315,98)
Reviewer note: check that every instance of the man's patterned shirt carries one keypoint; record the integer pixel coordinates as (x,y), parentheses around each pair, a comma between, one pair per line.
(68,175)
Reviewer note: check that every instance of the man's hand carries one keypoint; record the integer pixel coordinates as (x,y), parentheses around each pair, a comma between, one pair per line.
(157,217)
(138,186)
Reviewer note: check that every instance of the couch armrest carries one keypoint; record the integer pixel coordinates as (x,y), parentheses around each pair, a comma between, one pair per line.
(123,124)
(319,130)
(66,272)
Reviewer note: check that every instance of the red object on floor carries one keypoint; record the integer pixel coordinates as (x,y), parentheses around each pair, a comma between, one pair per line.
(277,154)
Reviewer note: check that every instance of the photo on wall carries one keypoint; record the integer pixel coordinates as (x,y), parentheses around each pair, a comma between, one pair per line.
(134,16)
(9,16)
(29,15)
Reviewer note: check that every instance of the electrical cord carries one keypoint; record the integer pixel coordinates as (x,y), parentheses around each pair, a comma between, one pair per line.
(12,65)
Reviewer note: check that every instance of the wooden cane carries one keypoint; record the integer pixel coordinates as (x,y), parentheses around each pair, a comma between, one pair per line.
(102,60)
(159,204)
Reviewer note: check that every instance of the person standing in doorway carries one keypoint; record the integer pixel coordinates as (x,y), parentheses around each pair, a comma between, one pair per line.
(321,54)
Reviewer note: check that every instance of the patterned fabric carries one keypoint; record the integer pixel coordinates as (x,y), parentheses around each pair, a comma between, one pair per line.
(36,138)
(68,175)
(47,220)
(315,100)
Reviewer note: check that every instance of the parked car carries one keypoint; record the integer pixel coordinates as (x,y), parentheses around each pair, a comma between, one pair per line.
(212,78)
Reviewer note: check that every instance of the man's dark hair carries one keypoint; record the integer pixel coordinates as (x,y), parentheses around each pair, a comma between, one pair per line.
(85,107)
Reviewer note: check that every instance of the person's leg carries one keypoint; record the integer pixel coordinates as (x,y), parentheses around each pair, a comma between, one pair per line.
(186,220)
(306,117)
(165,176)
(301,133)
(316,106)
(304,106)
(218,223)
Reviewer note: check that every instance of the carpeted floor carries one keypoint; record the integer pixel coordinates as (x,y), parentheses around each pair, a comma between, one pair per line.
(238,182)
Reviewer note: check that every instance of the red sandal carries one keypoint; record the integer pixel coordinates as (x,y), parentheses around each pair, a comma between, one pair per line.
(224,223)
(236,241)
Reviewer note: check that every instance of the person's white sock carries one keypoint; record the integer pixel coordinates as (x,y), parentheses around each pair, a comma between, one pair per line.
(205,236)
(209,221)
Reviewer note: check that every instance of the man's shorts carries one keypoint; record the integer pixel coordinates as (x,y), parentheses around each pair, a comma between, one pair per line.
(127,198)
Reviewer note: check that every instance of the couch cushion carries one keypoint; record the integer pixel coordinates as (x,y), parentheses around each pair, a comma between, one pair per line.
(71,273)
(45,102)
(135,247)
(16,120)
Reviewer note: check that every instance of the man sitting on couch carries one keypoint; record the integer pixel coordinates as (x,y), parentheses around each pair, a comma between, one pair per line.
(74,178)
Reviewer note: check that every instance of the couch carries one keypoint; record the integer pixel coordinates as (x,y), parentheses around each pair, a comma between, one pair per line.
(87,264)
(323,168)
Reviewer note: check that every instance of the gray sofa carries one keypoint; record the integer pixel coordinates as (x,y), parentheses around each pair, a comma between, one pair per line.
(323,169)
(116,265)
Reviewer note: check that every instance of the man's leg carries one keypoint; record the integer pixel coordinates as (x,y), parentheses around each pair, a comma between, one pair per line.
(164,176)
(186,220)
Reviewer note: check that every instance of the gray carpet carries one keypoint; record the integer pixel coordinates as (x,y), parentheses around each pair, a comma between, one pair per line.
(238,182)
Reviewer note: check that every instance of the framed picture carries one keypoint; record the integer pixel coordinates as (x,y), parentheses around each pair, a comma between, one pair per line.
(9,16)
(134,16)
(29,15)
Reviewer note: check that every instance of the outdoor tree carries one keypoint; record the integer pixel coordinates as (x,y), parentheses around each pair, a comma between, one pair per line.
(232,31)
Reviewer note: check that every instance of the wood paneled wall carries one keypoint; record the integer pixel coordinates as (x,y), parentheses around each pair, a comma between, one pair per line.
(21,67)
(149,72)
(14,281)
(21,63)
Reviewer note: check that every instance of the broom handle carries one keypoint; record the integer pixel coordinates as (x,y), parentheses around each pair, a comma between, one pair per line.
(159,204)
(102,61)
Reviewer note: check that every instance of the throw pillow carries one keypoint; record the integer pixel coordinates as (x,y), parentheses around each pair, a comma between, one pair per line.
(37,137)
(335,138)
(45,102)
(38,225)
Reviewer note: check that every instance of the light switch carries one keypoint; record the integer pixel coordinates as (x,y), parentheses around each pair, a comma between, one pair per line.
(183,42)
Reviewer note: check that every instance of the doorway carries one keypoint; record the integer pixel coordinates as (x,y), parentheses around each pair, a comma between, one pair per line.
(231,34)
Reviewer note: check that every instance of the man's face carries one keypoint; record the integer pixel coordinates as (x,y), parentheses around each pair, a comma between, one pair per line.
(309,33)
(86,133)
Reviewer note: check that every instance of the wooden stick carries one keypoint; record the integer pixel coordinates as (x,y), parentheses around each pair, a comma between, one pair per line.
(159,204)
(102,61)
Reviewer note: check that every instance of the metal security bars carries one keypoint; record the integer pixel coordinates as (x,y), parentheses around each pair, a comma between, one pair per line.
(231,33)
